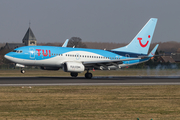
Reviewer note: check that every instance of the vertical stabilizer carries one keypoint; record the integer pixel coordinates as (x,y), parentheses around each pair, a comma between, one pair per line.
(141,42)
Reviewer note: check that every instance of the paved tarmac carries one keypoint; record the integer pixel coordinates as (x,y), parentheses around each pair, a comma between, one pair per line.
(47,81)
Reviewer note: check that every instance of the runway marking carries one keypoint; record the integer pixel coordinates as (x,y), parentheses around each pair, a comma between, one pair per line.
(94,84)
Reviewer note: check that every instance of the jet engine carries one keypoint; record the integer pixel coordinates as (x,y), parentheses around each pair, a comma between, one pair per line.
(73,67)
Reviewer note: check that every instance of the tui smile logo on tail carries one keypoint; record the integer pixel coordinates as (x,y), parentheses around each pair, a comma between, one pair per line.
(143,45)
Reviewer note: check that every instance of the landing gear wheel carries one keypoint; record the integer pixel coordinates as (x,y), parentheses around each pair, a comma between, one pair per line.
(88,75)
(23,71)
(73,74)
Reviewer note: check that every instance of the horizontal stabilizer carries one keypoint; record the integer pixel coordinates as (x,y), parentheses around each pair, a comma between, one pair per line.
(152,53)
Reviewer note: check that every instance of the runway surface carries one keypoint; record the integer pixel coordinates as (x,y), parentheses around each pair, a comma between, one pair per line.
(47,81)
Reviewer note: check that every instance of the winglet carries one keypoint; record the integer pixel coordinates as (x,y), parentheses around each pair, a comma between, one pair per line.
(65,43)
(152,53)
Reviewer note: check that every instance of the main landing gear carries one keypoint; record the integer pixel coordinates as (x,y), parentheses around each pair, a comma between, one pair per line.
(74,74)
(88,75)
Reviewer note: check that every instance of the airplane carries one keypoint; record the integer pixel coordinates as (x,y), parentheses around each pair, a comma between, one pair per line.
(77,60)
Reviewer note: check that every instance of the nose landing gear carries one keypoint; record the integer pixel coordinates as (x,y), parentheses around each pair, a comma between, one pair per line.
(23,71)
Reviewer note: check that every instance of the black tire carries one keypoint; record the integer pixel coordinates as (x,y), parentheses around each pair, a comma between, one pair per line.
(73,74)
(88,75)
(23,71)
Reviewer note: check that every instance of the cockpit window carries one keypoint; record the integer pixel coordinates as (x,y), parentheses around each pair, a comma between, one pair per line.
(17,51)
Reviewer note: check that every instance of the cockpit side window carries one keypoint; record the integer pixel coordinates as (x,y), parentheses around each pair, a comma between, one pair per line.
(17,51)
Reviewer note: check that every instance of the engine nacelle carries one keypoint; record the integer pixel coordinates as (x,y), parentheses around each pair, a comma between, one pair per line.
(73,67)
(20,65)
(49,68)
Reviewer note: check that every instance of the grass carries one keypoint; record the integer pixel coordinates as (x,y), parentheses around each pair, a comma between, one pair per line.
(122,72)
(90,102)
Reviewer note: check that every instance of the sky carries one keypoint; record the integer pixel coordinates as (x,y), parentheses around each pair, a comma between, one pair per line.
(115,21)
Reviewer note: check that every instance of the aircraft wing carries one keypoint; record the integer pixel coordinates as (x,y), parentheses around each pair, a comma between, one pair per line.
(65,43)
(105,64)
(115,61)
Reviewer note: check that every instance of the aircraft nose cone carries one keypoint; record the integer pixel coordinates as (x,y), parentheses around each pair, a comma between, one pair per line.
(6,56)
(9,56)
